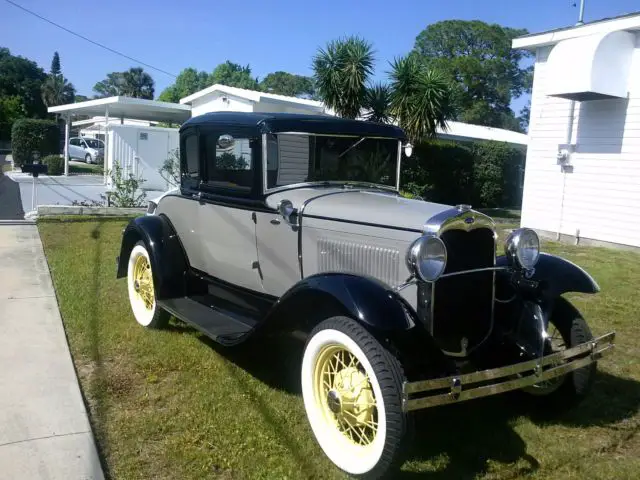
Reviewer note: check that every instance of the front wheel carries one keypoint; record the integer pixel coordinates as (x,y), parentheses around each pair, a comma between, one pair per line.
(567,328)
(87,158)
(352,391)
(142,296)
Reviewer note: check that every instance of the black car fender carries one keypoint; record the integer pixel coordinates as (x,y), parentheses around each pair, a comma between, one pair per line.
(372,303)
(168,259)
(556,276)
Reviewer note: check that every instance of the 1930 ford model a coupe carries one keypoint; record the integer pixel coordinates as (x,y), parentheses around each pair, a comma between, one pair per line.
(295,222)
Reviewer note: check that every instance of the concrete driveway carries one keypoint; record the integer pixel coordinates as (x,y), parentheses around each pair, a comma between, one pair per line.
(44,427)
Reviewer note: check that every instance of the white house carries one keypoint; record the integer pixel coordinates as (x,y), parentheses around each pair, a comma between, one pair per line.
(582,177)
(221,98)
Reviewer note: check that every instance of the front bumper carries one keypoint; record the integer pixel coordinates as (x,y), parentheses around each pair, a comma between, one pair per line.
(458,388)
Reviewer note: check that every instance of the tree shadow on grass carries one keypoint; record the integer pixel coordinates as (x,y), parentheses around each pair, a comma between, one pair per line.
(465,436)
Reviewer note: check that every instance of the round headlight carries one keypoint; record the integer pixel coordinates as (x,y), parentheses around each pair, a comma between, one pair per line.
(523,248)
(427,258)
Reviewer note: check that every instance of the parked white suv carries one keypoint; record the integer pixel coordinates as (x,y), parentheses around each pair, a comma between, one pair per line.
(91,150)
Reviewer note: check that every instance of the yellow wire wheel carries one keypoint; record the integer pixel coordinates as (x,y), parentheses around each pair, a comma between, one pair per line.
(142,294)
(344,373)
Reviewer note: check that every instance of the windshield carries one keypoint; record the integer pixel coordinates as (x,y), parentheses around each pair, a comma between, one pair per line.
(93,143)
(293,158)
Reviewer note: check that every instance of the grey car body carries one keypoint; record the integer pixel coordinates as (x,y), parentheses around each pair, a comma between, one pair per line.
(294,222)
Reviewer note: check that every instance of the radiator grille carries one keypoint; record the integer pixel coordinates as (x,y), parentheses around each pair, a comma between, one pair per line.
(349,257)
(463,304)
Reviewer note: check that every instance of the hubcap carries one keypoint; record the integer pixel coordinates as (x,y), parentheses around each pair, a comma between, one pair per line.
(143,282)
(345,396)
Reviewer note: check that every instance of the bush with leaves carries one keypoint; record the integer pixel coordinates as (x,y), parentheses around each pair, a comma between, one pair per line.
(125,188)
(29,135)
(54,163)
(496,172)
(170,169)
(439,171)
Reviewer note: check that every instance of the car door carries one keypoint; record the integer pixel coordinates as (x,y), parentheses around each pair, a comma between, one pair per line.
(75,151)
(227,212)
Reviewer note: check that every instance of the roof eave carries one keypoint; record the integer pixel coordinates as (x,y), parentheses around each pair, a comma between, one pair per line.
(531,42)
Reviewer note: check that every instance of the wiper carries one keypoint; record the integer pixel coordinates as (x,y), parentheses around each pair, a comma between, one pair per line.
(352,146)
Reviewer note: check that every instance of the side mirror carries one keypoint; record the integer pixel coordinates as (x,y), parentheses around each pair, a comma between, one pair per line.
(288,212)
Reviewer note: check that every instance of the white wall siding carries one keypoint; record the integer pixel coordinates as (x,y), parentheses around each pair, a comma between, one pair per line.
(293,155)
(601,197)
(214,102)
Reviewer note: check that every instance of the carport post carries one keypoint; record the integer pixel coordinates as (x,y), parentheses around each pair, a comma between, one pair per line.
(67,121)
(106,143)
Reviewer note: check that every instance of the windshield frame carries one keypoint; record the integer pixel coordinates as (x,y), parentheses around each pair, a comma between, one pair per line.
(327,183)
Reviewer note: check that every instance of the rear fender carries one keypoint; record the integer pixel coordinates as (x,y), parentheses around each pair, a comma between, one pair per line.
(168,260)
(368,301)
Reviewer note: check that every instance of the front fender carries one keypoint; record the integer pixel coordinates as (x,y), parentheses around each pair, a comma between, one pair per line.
(370,302)
(168,260)
(557,276)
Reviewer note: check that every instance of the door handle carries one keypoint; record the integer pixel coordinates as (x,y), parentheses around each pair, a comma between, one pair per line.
(275,221)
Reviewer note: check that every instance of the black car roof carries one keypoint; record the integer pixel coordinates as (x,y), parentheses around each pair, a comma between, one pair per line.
(293,122)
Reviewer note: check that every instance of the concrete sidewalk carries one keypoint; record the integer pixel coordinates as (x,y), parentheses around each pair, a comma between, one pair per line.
(44,428)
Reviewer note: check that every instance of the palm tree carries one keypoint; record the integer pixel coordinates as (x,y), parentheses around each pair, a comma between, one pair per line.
(137,83)
(377,103)
(57,90)
(421,99)
(341,73)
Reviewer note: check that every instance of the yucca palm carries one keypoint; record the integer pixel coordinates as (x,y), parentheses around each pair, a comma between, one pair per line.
(341,71)
(421,98)
(377,104)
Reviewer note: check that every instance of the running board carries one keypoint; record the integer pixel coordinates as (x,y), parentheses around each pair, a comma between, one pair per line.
(224,327)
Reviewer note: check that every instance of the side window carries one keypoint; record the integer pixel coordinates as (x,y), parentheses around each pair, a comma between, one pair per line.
(229,163)
(191,162)
(75,142)
(288,159)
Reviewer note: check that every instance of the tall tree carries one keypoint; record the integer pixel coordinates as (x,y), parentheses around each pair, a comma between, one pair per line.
(341,73)
(188,81)
(285,83)
(233,75)
(22,78)
(135,82)
(486,72)
(56,89)
(421,98)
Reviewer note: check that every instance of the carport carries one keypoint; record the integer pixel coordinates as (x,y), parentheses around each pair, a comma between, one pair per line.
(118,107)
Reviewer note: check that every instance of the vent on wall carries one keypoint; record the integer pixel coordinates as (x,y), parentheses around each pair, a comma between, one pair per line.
(593,67)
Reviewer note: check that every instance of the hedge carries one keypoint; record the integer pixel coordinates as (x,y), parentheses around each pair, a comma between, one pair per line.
(55,164)
(483,174)
(29,135)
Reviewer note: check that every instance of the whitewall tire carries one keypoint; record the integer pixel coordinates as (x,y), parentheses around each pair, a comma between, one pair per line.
(141,289)
(352,391)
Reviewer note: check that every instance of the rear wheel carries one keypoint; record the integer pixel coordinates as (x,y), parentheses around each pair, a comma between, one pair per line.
(142,296)
(567,328)
(352,390)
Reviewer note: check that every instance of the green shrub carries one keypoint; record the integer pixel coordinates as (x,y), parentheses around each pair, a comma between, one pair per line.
(496,173)
(126,188)
(29,135)
(439,171)
(55,164)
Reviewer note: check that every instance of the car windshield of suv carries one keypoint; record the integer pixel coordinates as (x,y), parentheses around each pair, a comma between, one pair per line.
(299,158)
(93,143)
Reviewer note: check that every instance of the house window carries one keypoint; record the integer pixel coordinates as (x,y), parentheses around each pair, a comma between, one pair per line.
(228,163)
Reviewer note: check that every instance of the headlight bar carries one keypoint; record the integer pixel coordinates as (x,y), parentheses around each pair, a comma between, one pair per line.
(464,387)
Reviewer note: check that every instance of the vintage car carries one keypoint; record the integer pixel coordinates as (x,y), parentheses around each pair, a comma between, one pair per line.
(295,222)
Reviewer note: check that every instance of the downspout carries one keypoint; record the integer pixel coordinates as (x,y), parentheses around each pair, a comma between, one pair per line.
(568,138)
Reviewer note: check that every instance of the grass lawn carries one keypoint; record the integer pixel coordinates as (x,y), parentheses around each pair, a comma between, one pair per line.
(173,405)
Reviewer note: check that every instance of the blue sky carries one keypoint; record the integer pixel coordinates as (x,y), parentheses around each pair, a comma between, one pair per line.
(270,36)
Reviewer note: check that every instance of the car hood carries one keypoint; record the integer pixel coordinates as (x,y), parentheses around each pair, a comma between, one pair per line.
(373,207)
